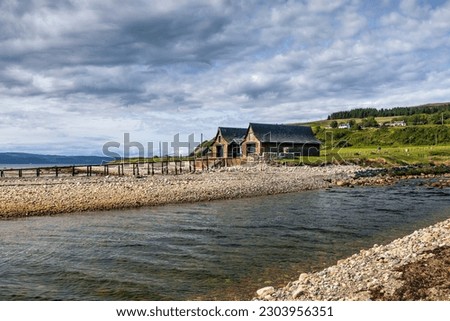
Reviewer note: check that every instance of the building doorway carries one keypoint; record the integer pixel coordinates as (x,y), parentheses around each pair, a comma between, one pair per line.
(219,151)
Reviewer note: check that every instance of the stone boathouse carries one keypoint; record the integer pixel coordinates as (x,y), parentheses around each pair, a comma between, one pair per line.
(227,142)
(265,140)
(276,140)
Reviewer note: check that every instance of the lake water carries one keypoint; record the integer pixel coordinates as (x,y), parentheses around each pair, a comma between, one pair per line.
(213,250)
(25,166)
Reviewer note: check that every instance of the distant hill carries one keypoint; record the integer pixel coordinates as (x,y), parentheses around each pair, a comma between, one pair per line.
(389,112)
(26,158)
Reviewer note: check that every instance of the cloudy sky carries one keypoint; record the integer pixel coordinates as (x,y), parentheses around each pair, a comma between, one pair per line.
(75,74)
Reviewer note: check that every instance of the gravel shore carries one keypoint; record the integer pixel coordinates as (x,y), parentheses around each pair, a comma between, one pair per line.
(415,267)
(50,195)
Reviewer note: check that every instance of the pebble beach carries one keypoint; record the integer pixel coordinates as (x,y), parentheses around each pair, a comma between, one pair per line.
(52,195)
(415,267)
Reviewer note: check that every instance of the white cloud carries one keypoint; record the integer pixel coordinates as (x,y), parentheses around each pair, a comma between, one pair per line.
(324,5)
(75,74)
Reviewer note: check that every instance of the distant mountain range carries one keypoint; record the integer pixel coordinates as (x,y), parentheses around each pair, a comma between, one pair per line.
(26,158)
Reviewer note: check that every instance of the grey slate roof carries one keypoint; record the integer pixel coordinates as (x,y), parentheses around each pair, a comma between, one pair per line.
(231,134)
(284,133)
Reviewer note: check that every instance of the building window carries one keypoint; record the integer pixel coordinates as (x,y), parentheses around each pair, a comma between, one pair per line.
(251,148)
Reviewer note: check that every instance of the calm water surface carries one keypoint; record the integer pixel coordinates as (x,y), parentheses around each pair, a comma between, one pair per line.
(214,250)
(24,166)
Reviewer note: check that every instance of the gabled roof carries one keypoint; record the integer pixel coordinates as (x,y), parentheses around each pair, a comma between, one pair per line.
(231,134)
(283,133)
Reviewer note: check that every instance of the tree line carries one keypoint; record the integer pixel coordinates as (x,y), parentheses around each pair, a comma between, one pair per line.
(390,112)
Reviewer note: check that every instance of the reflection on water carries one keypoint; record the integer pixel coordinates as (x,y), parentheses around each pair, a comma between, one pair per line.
(213,250)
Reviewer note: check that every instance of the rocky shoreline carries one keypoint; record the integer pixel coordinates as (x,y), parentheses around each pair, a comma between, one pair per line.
(30,196)
(429,180)
(49,195)
(415,267)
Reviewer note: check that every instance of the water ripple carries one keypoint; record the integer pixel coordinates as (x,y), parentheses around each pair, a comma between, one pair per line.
(188,251)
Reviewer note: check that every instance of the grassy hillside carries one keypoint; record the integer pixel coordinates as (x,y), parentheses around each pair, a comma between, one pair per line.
(426,135)
(327,122)
(422,119)
(383,157)
(425,140)
(384,146)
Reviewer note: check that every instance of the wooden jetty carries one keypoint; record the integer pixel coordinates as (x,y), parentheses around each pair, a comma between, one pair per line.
(142,168)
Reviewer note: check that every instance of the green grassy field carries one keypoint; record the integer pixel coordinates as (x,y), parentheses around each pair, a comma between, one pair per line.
(386,156)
